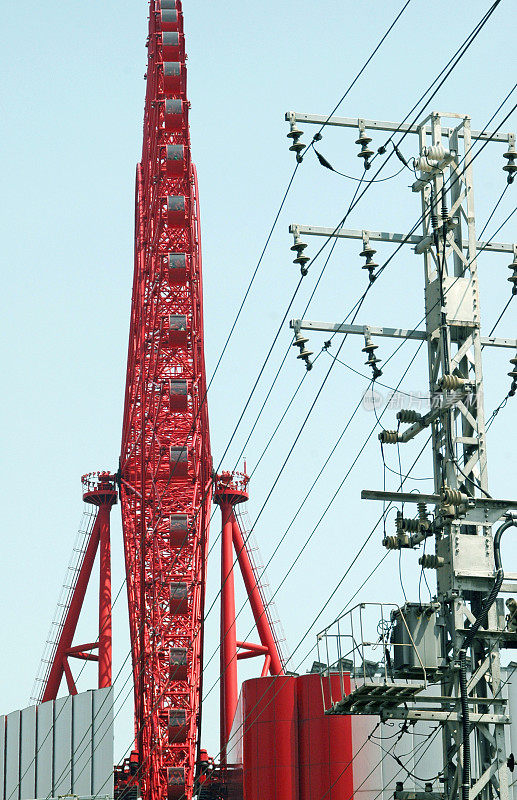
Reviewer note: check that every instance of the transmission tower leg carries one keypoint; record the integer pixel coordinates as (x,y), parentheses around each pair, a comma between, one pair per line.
(104,598)
(228,652)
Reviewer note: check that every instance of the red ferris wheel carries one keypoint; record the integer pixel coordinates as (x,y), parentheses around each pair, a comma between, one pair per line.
(165,479)
(165,462)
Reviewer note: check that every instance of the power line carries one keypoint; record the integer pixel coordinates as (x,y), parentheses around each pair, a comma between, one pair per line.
(501,315)
(342,342)
(317,136)
(495,4)
(305,636)
(354,203)
(460,52)
(298,556)
(377,275)
(386,362)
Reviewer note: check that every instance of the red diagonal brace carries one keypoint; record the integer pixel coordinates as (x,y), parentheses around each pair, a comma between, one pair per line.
(69,677)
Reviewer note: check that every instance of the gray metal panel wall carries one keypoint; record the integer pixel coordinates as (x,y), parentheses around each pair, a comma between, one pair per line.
(12,756)
(102,762)
(82,744)
(28,753)
(366,769)
(2,757)
(57,748)
(45,749)
(63,746)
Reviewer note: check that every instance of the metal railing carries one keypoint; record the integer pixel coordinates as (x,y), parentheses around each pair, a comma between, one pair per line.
(358,649)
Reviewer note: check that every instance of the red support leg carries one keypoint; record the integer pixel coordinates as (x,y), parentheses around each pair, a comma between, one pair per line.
(105,599)
(72,616)
(72,689)
(257,606)
(99,490)
(228,652)
(265,668)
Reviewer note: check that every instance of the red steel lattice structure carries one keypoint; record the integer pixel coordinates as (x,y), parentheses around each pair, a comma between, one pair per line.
(165,463)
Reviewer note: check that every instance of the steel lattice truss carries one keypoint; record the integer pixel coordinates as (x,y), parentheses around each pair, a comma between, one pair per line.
(165,459)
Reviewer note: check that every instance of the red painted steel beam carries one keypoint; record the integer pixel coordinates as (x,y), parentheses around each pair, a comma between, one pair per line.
(85,657)
(72,689)
(72,616)
(98,490)
(259,648)
(79,648)
(257,606)
(104,656)
(252,654)
(228,649)
(265,668)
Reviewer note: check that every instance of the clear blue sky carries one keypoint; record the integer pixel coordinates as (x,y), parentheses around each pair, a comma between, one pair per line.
(71,129)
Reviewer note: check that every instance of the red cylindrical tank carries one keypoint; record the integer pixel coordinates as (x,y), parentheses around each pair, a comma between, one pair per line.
(270,739)
(324,742)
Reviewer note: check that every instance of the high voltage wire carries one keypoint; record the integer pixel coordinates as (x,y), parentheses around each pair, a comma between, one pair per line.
(384,265)
(268,239)
(493,8)
(317,617)
(157,701)
(343,97)
(379,272)
(385,556)
(382,559)
(276,480)
(501,315)
(278,215)
(289,346)
(364,582)
(294,562)
(274,225)
(458,55)
(477,30)
(306,497)
(254,274)
(317,136)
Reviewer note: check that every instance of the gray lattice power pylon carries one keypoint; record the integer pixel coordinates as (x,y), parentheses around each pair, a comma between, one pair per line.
(467,622)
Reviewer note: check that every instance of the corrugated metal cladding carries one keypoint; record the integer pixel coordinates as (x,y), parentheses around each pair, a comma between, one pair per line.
(57,748)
